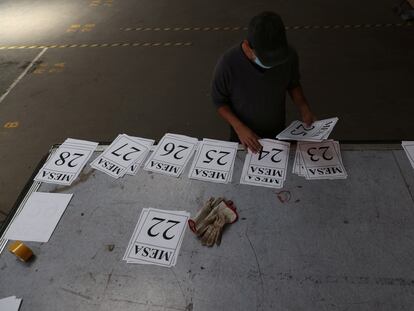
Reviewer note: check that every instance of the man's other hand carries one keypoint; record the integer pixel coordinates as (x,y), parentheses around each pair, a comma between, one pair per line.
(248,138)
(308,117)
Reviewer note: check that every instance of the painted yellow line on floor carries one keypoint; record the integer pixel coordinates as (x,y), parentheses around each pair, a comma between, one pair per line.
(294,27)
(11,124)
(93,45)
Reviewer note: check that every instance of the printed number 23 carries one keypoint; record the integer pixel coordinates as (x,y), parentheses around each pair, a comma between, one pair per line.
(158,220)
(324,156)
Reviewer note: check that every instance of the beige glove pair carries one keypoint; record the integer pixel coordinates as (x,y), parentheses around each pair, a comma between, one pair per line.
(211,219)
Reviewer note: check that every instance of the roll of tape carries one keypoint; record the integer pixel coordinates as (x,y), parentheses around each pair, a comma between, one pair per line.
(21,251)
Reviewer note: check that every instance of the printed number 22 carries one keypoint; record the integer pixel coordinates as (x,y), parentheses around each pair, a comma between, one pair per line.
(164,235)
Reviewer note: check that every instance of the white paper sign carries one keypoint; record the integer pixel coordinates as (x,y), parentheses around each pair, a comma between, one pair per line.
(157,237)
(171,155)
(268,167)
(10,303)
(39,217)
(133,169)
(67,162)
(214,161)
(119,156)
(409,150)
(322,160)
(318,131)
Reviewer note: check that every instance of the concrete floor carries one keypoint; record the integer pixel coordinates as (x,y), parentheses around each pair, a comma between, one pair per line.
(362,74)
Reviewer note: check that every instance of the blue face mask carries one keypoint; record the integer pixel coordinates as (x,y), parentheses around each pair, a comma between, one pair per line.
(258,62)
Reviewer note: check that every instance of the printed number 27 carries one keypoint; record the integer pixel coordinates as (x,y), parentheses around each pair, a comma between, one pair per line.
(159,221)
(134,150)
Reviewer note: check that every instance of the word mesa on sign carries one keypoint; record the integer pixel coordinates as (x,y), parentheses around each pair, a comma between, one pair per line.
(124,152)
(268,167)
(66,163)
(319,160)
(171,155)
(157,237)
(214,161)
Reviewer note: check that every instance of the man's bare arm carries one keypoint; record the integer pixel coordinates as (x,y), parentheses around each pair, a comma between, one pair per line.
(247,137)
(298,97)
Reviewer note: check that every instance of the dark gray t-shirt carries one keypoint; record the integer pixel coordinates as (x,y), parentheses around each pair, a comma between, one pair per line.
(256,95)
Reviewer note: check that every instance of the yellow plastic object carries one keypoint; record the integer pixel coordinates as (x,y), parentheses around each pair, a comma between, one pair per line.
(21,251)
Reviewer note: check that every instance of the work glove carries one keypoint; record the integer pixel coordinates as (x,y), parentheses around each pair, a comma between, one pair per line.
(194,223)
(210,229)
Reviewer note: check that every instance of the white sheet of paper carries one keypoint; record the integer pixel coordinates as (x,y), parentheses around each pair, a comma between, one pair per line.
(67,162)
(409,150)
(171,155)
(318,131)
(214,161)
(10,304)
(39,217)
(157,237)
(133,169)
(267,168)
(138,227)
(322,160)
(123,152)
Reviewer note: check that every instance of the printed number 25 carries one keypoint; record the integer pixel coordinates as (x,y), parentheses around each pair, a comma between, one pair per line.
(219,159)
(158,220)
(304,130)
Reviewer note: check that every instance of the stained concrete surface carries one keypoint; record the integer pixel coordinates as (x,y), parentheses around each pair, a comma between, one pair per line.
(335,245)
(362,75)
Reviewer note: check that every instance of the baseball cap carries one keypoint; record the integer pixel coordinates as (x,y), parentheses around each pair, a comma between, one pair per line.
(267,36)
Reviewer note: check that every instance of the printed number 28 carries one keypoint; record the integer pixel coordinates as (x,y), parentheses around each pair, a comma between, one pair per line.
(154,233)
(65,156)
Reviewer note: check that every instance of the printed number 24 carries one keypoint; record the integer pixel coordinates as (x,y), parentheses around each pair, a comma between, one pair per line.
(263,154)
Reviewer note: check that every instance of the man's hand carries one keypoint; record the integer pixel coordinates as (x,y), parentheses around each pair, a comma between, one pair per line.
(308,117)
(300,100)
(248,138)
